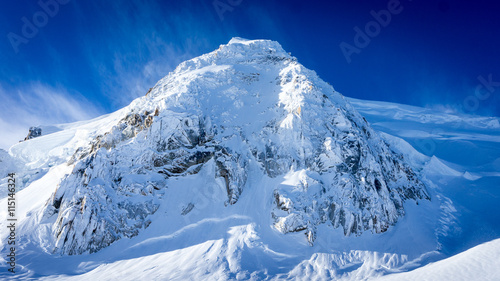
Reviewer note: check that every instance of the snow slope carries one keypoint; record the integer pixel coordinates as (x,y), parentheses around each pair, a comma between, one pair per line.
(479,263)
(465,149)
(222,231)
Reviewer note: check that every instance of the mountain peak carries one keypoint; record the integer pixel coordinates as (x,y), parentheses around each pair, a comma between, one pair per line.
(237,44)
(255,43)
(240,40)
(239,50)
(244,119)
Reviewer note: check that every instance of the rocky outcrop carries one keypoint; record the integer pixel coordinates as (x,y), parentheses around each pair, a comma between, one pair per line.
(34,132)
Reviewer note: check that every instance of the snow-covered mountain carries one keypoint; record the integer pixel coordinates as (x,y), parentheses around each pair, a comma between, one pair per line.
(241,163)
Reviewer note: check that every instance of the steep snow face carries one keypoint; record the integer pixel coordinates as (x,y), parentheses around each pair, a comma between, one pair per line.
(5,163)
(247,104)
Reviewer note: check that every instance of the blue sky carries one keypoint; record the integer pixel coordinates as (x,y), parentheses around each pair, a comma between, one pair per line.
(69,60)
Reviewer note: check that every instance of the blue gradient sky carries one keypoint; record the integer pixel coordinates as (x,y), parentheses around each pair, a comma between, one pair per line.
(89,57)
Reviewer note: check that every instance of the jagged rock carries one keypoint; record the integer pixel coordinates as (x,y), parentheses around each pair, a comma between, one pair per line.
(187,209)
(33,133)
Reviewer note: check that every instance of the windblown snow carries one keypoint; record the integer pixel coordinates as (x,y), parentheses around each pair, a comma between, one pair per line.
(243,164)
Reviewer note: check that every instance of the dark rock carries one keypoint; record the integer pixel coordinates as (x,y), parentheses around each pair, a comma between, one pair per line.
(34,132)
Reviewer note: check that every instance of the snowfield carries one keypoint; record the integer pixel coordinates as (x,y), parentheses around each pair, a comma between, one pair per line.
(479,263)
(243,165)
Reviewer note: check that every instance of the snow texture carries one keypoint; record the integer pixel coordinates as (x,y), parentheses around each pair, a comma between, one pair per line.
(249,101)
(243,164)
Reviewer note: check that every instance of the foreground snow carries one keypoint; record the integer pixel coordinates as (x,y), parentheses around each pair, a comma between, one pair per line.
(479,263)
(234,247)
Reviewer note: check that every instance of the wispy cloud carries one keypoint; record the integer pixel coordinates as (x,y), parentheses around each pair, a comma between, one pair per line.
(131,76)
(39,104)
(142,44)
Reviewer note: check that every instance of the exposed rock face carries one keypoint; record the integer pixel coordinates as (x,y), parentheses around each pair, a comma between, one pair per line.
(248,104)
(33,133)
